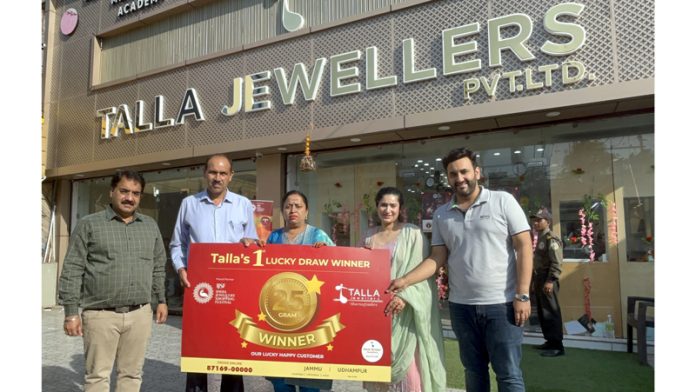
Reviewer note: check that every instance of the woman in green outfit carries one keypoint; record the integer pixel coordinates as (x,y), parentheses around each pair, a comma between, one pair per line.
(417,342)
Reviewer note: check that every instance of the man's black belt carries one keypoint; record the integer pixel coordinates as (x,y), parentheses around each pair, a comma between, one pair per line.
(122,309)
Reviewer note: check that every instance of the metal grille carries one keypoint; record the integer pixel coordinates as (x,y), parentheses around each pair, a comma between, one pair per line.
(73,112)
(52,136)
(363,106)
(75,131)
(122,146)
(213,80)
(284,118)
(56,65)
(172,86)
(88,19)
(109,13)
(635,27)
(73,79)
(445,91)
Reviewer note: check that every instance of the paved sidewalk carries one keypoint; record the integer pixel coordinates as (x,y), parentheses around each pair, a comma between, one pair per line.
(62,361)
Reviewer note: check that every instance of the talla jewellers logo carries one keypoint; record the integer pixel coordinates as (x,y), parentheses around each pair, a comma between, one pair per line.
(358,296)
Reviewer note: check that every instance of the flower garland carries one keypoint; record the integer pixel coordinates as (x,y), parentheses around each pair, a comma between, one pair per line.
(442,284)
(586,233)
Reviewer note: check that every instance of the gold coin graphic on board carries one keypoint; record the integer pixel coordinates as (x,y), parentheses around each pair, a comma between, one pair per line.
(287,302)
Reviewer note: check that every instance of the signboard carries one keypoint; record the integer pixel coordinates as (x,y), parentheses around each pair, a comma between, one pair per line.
(263,214)
(287,311)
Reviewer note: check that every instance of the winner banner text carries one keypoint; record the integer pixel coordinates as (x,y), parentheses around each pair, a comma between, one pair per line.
(287,311)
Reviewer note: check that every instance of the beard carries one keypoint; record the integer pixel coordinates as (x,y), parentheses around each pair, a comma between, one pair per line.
(471,186)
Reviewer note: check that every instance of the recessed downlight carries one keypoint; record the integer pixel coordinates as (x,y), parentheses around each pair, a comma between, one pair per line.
(355,139)
(443,128)
(282,148)
(553,114)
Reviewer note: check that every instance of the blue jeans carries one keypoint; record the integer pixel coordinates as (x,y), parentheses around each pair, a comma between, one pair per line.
(487,333)
(279,385)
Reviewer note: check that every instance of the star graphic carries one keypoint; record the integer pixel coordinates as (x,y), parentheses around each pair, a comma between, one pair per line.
(314,285)
(329,347)
(244,344)
(262,317)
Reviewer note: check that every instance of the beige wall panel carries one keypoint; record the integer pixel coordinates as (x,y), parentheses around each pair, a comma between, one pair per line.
(362,106)
(213,80)
(281,119)
(635,30)
(75,137)
(604,293)
(172,86)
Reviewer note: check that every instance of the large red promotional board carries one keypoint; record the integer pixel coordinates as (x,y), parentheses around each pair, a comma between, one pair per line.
(287,311)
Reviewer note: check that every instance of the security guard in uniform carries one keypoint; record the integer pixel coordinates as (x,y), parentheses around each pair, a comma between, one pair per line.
(548,256)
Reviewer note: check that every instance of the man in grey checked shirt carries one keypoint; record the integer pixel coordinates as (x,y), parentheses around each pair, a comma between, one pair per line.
(114,270)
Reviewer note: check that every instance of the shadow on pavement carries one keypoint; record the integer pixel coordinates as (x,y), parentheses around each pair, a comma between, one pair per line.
(157,376)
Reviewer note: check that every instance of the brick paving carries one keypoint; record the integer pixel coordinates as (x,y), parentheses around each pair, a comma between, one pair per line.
(62,361)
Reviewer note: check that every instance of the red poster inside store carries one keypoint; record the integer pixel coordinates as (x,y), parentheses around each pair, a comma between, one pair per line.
(287,311)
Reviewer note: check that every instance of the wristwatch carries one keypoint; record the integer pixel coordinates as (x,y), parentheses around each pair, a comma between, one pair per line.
(522,297)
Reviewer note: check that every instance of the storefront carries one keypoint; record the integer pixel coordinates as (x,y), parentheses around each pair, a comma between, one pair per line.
(556,98)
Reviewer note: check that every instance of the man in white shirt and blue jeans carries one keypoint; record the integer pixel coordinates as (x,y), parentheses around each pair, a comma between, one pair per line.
(484,237)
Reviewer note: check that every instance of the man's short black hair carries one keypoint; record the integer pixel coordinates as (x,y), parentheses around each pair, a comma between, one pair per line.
(207,161)
(129,174)
(459,153)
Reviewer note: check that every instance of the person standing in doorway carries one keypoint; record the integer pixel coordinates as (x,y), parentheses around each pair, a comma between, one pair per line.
(114,269)
(483,236)
(213,215)
(548,257)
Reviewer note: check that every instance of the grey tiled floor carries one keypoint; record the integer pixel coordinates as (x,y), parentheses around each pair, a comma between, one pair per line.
(63,362)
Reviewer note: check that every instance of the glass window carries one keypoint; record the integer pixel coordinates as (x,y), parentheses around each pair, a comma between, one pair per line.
(595,176)
(164,191)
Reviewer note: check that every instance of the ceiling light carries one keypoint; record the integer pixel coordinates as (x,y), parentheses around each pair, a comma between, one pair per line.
(79,175)
(416,165)
(355,139)
(282,149)
(553,114)
(540,149)
(443,128)
(166,164)
(420,161)
(426,164)
(496,154)
(518,152)
(438,159)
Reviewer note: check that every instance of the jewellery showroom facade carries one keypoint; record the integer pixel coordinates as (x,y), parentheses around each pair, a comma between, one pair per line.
(557,98)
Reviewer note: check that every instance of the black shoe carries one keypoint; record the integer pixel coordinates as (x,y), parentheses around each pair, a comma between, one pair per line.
(545,346)
(552,353)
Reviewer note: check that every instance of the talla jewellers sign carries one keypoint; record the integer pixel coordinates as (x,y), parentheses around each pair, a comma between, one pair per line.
(250,93)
